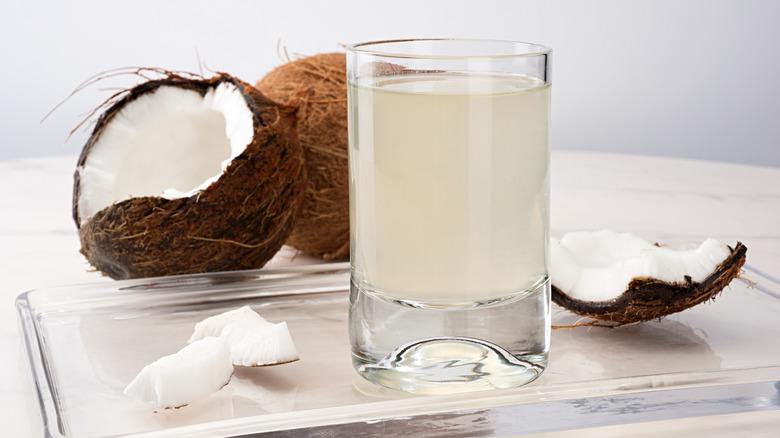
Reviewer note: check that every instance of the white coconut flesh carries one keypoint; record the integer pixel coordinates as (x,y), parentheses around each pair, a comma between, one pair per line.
(261,346)
(242,317)
(253,341)
(170,142)
(598,266)
(196,371)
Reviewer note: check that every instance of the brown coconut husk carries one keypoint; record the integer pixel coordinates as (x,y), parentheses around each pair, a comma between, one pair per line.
(238,222)
(647,299)
(317,86)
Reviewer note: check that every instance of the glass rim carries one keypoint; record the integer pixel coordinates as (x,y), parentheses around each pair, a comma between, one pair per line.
(365,48)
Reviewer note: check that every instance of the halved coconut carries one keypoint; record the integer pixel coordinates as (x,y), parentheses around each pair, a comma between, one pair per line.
(253,341)
(193,373)
(185,176)
(622,279)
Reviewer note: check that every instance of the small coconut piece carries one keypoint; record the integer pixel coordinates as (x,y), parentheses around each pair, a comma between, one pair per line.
(186,176)
(196,371)
(243,317)
(317,86)
(253,341)
(261,346)
(621,279)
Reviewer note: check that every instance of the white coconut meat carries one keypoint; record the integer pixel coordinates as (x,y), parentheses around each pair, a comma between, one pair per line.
(598,266)
(261,346)
(196,371)
(253,341)
(243,317)
(171,142)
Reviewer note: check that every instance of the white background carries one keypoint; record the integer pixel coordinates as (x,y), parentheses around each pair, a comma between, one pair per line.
(698,79)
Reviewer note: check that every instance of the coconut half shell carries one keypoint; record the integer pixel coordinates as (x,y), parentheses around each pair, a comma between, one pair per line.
(239,221)
(647,299)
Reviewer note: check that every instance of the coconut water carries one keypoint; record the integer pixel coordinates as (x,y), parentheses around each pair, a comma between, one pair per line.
(451,200)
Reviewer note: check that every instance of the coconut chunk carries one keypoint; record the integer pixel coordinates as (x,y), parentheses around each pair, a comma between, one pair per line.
(598,266)
(196,371)
(253,341)
(261,346)
(618,278)
(243,317)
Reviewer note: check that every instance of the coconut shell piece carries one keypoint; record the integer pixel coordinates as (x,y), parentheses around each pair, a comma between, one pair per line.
(647,299)
(317,86)
(238,222)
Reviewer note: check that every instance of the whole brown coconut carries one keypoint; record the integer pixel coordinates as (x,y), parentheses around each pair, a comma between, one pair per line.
(238,221)
(646,299)
(317,86)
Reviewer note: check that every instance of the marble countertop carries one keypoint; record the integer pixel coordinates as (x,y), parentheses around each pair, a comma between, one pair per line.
(660,199)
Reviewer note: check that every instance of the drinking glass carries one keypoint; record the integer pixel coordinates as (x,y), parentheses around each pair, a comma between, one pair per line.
(449,152)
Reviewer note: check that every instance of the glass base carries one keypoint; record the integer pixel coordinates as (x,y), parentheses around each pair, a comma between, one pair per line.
(451,365)
(443,351)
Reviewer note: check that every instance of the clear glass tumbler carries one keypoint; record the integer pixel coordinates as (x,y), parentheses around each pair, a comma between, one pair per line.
(449,152)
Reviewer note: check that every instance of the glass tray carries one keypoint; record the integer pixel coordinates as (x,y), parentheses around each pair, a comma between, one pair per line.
(86,343)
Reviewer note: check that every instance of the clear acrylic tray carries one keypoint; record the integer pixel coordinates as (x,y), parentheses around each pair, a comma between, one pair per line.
(87,342)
